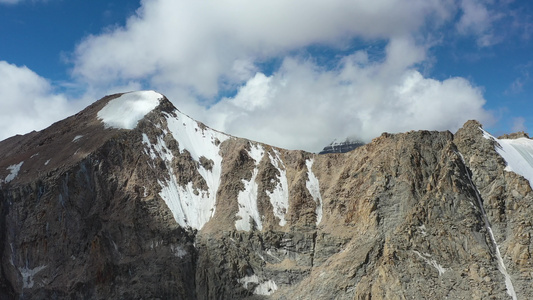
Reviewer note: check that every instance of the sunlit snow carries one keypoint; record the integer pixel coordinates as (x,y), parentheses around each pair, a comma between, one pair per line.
(279,197)
(77,138)
(517,153)
(27,275)
(125,111)
(426,257)
(190,207)
(247,198)
(266,288)
(262,288)
(178,251)
(313,186)
(14,171)
(248,279)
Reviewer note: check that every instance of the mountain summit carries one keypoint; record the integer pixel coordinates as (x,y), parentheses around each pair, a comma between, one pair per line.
(341,147)
(132,199)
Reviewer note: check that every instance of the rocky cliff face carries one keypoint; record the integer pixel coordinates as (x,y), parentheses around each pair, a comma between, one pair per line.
(105,205)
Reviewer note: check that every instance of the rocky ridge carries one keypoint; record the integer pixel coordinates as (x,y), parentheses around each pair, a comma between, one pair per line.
(172,209)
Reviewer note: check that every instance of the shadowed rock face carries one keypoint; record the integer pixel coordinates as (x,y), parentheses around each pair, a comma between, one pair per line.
(175,210)
(342,147)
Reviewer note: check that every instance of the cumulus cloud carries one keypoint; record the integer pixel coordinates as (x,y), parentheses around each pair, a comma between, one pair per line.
(193,50)
(199,44)
(304,106)
(28,102)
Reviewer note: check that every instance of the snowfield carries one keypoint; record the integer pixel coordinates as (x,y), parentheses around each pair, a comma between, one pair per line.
(517,153)
(125,111)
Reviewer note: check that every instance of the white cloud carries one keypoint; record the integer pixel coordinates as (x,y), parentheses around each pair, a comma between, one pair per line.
(475,18)
(517,86)
(198,44)
(519,124)
(523,79)
(479,19)
(303,106)
(190,50)
(27,101)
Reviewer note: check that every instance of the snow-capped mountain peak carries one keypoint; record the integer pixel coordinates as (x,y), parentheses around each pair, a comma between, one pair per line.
(125,111)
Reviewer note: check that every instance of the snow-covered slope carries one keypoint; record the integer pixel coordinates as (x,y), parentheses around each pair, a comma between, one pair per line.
(518,154)
(191,207)
(125,111)
(279,197)
(248,210)
(313,186)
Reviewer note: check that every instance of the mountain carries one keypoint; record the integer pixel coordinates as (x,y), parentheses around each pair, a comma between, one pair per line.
(132,199)
(341,147)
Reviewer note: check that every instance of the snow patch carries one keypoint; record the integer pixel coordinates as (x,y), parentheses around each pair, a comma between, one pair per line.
(190,207)
(313,187)
(125,111)
(27,276)
(517,153)
(425,257)
(14,171)
(248,279)
(76,138)
(178,251)
(423,229)
(265,288)
(145,192)
(247,199)
(501,266)
(256,153)
(279,197)
(47,162)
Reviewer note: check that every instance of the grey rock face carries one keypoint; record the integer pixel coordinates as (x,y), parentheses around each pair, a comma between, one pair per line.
(398,218)
(507,199)
(341,147)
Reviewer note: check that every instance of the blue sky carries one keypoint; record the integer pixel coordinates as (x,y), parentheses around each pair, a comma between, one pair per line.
(295,74)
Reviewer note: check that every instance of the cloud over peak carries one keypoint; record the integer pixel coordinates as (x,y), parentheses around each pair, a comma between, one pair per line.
(302,106)
(199,52)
